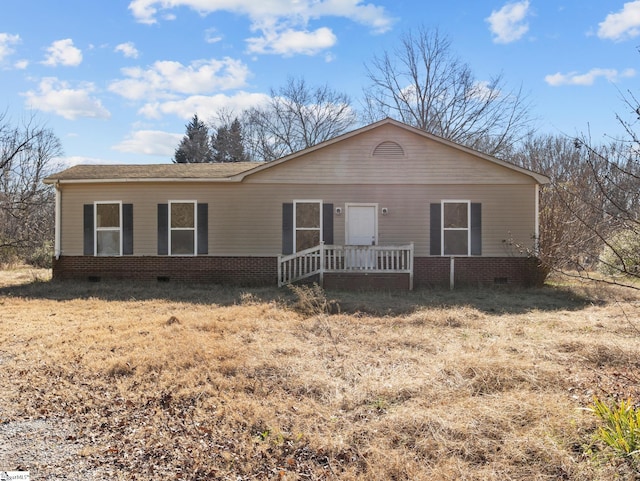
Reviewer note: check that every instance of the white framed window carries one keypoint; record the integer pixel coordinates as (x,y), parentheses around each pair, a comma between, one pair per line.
(183,227)
(456,227)
(307,224)
(108,228)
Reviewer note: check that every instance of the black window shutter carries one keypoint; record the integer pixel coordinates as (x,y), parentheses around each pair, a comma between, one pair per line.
(327,223)
(88,229)
(287,228)
(127,229)
(476,229)
(203,229)
(163,229)
(435,230)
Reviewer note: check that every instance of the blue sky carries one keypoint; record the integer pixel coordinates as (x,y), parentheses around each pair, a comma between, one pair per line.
(118,80)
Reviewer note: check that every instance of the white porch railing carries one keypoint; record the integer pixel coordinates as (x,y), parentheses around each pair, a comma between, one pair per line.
(333,258)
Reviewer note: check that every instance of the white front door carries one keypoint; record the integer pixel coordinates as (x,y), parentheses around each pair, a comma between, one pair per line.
(361,231)
(361,224)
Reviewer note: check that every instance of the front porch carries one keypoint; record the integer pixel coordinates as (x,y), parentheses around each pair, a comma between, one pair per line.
(337,259)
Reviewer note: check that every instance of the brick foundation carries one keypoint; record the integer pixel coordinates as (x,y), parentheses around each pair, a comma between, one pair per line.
(246,271)
(256,271)
(477,271)
(366,281)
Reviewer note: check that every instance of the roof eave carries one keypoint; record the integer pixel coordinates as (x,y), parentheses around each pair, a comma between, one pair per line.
(136,180)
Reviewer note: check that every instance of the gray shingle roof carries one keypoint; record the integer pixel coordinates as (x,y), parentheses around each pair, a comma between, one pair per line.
(153,171)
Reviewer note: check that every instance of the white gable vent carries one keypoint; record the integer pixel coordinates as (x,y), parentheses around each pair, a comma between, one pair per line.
(388,149)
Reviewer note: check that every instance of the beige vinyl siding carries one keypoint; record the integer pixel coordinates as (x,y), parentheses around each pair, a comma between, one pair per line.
(425,162)
(246,219)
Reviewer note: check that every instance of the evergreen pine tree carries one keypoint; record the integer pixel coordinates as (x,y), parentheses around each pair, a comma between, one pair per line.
(194,146)
(220,143)
(228,144)
(236,142)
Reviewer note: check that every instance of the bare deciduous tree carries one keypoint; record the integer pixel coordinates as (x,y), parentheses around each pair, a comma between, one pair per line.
(28,154)
(591,204)
(561,231)
(612,206)
(424,84)
(298,116)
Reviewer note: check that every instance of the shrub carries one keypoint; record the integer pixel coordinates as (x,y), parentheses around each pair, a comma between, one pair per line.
(8,256)
(621,429)
(622,255)
(41,256)
(312,300)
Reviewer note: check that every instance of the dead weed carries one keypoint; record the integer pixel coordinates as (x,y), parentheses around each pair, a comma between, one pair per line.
(249,388)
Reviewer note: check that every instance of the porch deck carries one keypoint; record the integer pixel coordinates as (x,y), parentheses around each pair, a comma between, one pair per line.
(323,259)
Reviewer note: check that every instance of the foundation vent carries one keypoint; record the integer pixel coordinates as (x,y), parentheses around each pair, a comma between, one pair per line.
(388,149)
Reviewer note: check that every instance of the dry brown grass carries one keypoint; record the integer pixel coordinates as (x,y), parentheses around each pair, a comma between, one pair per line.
(204,382)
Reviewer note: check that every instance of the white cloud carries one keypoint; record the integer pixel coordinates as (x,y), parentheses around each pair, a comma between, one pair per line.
(329,57)
(150,142)
(6,44)
(128,49)
(574,78)
(366,14)
(508,24)
(371,15)
(56,96)
(21,64)
(290,42)
(622,25)
(165,79)
(72,160)
(278,20)
(482,91)
(205,106)
(62,52)
(211,35)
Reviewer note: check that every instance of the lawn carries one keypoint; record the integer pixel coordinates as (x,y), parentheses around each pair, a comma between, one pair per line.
(162,381)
